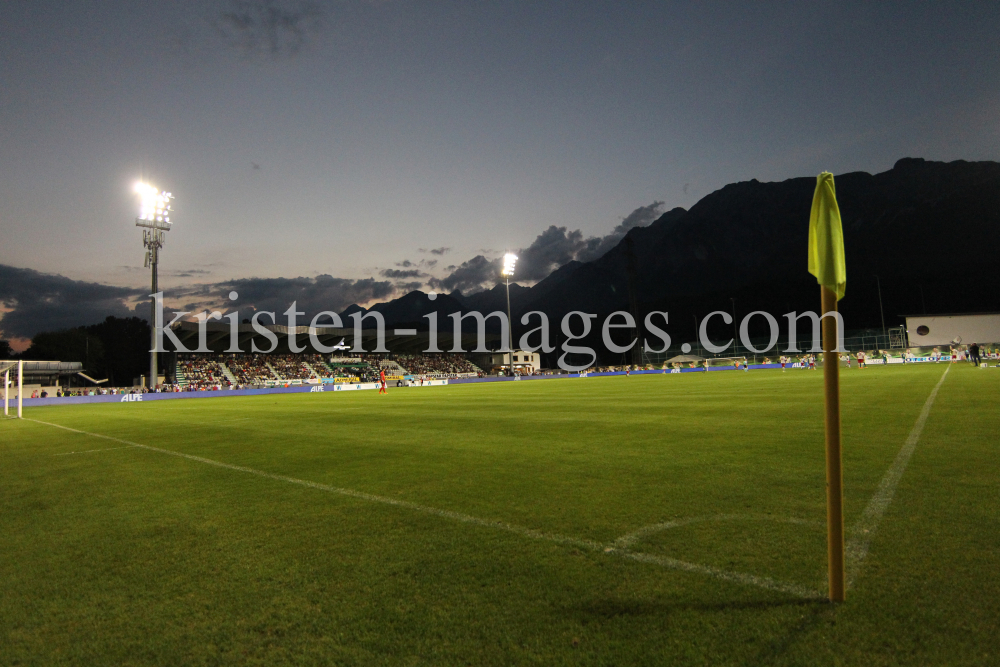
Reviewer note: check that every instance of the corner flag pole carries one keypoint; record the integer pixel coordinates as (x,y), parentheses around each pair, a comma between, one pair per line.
(834,466)
(826,262)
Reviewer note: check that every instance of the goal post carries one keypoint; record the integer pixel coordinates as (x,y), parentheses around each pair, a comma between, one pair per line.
(5,368)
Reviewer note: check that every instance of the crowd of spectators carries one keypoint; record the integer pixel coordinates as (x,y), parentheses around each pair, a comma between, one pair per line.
(437,364)
(203,370)
(249,369)
(292,366)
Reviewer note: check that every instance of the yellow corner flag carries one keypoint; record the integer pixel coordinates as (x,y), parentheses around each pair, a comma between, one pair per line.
(826,262)
(826,237)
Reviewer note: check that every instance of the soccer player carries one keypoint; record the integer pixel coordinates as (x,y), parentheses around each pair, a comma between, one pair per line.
(784,360)
(812,362)
(861,359)
(746,365)
(381,382)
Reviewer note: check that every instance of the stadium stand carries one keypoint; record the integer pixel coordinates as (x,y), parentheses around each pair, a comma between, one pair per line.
(197,371)
(437,365)
(291,366)
(353,367)
(250,369)
(317,365)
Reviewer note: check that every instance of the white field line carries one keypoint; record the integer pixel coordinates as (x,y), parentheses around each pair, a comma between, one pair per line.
(89,451)
(627,541)
(864,530)
(611,549)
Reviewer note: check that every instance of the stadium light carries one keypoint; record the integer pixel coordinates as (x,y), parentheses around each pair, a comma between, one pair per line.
(154,217)
(508,264)
(508,270)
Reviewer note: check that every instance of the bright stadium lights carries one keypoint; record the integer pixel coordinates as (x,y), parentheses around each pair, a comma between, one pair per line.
(154,209)
(508,270)
(154,217)
(508,264)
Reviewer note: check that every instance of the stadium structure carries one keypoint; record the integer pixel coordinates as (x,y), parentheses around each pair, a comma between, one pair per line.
(403,361)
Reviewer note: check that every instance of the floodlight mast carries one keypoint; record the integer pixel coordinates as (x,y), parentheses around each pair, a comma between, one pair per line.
(154,216)
(508,270)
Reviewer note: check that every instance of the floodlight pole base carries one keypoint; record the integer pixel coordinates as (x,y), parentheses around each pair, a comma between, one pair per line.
(510,332)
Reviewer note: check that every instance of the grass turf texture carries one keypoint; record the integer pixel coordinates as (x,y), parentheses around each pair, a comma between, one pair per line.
(136,557)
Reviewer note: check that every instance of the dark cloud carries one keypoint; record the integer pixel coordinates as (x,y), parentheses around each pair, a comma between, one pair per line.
(426,263)
(312,295)
(440,251)
(273,28)
(44,302)
(47,302)
(471,276)
(185,273)
(551,249)
(398,273)
(640,217)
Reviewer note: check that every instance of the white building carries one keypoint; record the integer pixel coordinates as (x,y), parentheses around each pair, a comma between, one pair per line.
(524,362)
(936,330)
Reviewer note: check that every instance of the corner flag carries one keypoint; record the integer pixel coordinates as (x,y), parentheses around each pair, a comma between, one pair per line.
(826,237)
(826,262)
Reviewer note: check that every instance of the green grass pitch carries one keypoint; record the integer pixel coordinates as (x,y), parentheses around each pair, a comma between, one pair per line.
(649,520)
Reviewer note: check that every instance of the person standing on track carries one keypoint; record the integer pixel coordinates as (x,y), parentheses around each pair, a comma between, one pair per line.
(381,381)
(974,354)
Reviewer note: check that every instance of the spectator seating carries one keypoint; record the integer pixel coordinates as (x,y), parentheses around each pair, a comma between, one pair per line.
(250,369)
(197,371)
(442,364)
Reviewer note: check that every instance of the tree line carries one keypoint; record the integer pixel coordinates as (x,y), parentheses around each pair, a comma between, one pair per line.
(116,349)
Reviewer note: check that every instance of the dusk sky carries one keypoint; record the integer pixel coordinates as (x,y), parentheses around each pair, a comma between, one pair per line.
(352,138)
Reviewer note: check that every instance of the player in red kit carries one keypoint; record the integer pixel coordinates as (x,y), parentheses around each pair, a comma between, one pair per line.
(381,382)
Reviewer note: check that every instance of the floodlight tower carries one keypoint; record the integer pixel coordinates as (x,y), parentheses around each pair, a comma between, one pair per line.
(508,270)
(154,217)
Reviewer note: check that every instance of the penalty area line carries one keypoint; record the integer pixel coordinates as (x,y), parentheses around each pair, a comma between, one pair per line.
(864,529)
(612,549)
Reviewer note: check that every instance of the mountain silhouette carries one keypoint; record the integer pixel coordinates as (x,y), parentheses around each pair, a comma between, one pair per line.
(925,233)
